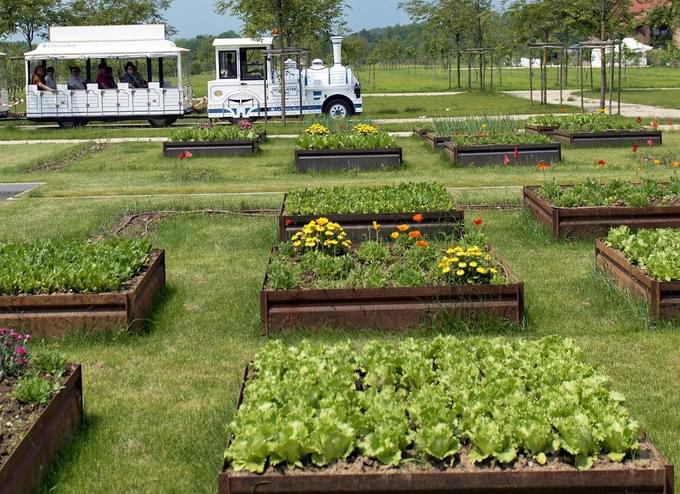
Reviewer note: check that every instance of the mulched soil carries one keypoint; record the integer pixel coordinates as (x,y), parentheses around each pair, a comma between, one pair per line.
(16,418)
(68,159)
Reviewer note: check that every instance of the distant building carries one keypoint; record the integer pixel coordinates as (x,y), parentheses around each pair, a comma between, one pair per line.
(647,33)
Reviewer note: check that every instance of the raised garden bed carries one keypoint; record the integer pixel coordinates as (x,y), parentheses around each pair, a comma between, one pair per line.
(365,382)
(359,227)
(53,427)
(589,222)
(211,148)
(347,159)
(540,129)
(608,138)
(645,263)
(495,154)
(435,141)
(58,314)
(390,308)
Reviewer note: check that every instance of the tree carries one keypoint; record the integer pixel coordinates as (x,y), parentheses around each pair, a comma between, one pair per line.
(29,19)
(101,12)
(298,21)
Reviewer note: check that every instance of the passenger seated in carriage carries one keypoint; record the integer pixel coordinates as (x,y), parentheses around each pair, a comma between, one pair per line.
(51,79)
(132,77)
(103,80)
(109,75)
(75,82)
(38,79)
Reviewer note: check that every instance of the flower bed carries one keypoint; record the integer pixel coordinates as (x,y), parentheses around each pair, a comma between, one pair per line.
(41,406)
(440,415)
(596,129)
(396,280)
(592,208)
(212,140)
(647,263)
(360,209)
(53,287)
(363,148)
(502,149)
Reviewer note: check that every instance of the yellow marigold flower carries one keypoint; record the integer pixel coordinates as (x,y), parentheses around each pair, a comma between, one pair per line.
(403,228)
(481,270)
(473,264)
(462,265)
(446,270)
(322,221)
(460,272)
(450,250)
(297,243)
(493,270)
(394,235)
(376,226)
(455,259)
(657,162)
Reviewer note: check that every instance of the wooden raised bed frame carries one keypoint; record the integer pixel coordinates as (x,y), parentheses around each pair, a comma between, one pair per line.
(608,138)
(347,159)
(540,129)
(394,308)
(493,154)
(656,480)
(435,141)
(214,148)
(359,227)
(663,297)
(59,314)
(56,423)
(590,222)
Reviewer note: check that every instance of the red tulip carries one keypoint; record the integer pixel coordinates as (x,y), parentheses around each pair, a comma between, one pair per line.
(638,120)
(506,160)
(516,152)
(185,155)
(601,163)
(289,221)
(478,221)
(635,148)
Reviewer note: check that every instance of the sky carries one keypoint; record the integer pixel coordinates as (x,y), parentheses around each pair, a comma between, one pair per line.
(192,17)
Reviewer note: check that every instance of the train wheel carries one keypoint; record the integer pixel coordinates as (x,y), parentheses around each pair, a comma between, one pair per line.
(66,124)
(339,109)
(162,122)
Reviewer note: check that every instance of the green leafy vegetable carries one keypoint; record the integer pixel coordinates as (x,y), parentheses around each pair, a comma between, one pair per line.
(655,251)
(59,266)
(615,193)
(396,401)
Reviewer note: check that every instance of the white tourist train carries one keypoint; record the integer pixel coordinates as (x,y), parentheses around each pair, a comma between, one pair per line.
(91,80)
(4,95)
(99,84)
(247,83)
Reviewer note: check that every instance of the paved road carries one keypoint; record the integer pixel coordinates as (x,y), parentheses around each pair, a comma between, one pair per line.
(592,104)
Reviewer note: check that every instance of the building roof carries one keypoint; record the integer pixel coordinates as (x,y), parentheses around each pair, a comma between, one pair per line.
(78,42)
(644,6)
(243,42)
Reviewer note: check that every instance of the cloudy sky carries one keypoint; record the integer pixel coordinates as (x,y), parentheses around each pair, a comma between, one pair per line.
(192,17)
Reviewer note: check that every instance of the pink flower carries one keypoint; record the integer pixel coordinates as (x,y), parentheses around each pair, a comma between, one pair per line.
(185,155)
(20,350)
(506,160)
(650,142)
(516,152)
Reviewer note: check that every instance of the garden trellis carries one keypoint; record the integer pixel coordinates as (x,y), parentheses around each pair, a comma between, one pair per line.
(613,47)
(481,54)
(546,49)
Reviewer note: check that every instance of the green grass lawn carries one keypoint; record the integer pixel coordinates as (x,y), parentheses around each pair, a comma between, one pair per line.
(140,168)
(157,404)
(421,79)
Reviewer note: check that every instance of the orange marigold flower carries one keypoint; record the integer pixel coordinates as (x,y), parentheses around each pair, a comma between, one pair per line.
(422,243)
(403,228)
(415,234)
(395,235)
(601,163)
(418,218)
(542,165)
(478,221)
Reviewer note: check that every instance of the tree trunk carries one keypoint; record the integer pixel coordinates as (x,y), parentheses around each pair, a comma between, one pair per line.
(603,67)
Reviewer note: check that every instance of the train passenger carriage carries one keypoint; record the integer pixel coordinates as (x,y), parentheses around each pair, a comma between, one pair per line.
(91,49)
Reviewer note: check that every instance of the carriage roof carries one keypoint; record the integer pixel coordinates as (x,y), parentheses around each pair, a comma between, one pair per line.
(78,42)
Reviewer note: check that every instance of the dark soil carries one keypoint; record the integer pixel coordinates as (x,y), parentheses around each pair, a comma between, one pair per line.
(16,418)
(55,164)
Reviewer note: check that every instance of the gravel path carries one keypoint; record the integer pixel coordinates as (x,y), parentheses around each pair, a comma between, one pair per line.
(592,104)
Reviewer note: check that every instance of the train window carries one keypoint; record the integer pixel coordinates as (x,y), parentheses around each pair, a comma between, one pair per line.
(252,64)
(227,59)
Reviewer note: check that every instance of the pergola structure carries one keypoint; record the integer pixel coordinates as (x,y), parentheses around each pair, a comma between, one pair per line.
(611,46)
(546,49)
(279,56)
(481,53)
